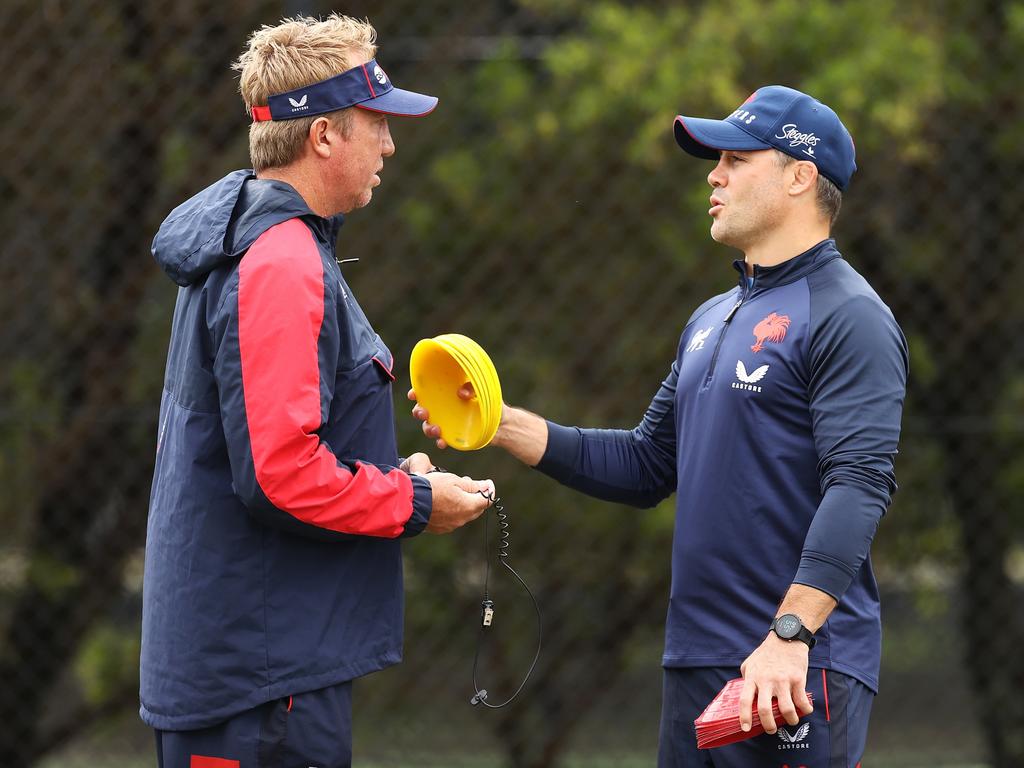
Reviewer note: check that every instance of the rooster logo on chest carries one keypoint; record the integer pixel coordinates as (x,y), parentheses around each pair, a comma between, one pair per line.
(772,328)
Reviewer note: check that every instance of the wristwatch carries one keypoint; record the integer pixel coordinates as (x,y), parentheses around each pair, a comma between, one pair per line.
(789,627)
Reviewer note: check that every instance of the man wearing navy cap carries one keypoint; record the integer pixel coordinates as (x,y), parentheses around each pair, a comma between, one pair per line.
(776,427)
(273,572)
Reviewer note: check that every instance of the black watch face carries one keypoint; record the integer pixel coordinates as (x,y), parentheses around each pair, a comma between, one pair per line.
(787,626)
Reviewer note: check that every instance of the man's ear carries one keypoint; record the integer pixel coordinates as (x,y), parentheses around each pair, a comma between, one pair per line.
(320,138)
(805,177)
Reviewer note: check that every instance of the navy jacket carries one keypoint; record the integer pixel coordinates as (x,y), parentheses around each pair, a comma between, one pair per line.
(273,564)
(776,427)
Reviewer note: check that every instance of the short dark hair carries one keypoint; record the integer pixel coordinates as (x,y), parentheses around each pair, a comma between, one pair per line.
(829,197)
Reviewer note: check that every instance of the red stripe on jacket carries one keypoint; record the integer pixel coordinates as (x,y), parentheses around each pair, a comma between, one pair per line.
(280,314)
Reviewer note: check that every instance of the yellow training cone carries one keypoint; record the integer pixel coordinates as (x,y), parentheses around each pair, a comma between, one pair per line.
(439,368)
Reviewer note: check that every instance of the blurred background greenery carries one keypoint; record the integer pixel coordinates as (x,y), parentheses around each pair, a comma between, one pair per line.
(545,211)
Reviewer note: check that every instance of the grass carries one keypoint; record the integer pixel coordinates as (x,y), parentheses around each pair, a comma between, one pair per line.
(494,761)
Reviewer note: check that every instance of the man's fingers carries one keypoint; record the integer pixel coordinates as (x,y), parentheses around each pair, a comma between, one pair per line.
(418,463)
(803,704)
(478,496)
(457,501)
(469,485)
(432,431)
(747,704)
(465,392)
(480,506)
(787,708)
(764,710)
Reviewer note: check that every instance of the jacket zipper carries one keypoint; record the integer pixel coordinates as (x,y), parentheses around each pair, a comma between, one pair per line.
(744,294)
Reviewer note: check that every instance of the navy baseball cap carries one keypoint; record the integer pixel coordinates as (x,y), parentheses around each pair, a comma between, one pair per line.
(776,117)
(365,86)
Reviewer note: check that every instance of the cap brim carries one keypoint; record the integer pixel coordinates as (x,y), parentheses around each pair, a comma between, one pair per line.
(400,102)
(705,138)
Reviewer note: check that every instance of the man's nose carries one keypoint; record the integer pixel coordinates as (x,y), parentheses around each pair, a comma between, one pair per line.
(717,176)
(388,148)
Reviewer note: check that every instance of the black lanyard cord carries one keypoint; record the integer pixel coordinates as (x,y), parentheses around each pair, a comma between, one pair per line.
(487,606)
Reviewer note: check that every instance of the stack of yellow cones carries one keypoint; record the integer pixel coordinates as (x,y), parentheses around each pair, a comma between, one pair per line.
(439,367)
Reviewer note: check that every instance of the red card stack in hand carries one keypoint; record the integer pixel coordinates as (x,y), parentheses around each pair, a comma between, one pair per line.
(719,724)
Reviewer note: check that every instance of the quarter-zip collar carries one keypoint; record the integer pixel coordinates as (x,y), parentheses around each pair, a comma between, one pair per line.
(789,270)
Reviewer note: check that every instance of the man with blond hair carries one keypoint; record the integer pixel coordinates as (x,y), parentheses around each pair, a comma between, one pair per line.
(273,572)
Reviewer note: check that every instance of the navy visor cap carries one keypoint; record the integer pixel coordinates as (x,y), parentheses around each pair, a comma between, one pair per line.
(366,86)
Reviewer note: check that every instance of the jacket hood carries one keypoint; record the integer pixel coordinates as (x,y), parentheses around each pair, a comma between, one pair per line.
(218,224)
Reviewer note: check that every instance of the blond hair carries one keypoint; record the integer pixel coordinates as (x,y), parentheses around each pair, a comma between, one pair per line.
(295,53)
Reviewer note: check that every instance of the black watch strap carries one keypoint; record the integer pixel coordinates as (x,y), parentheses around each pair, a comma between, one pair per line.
(789,627)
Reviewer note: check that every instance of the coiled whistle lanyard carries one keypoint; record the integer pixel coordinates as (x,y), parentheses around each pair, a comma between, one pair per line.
(487,605)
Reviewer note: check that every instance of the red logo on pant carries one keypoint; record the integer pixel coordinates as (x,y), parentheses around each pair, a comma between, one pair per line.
(200,761)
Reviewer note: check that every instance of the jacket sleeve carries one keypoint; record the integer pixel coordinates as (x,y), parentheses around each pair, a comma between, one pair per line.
(858,377)
(636,467)
(276,351)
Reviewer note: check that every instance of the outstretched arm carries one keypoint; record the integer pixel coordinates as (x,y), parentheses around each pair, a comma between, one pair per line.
(634,466)
(522,433)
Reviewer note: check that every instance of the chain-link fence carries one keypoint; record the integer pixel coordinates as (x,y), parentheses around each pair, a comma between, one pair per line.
(545,211)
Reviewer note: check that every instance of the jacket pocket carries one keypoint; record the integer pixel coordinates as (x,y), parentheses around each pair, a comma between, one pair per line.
(383,357)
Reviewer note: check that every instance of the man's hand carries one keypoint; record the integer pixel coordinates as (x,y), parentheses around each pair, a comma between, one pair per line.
(776,669)
(457,500)
(433,431)
(520,432)
(417,464)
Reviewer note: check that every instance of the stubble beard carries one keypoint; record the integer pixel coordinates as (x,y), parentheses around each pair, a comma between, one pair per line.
(732,234)
(746,227)
(362,200)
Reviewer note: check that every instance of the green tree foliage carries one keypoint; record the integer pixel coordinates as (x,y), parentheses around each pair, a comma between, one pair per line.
(544,210)
(607,203)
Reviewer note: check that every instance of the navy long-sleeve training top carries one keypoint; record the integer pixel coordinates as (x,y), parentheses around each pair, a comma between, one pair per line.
(777,427)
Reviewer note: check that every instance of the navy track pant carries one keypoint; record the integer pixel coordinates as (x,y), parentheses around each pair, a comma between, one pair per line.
(307,730)
(833,736)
